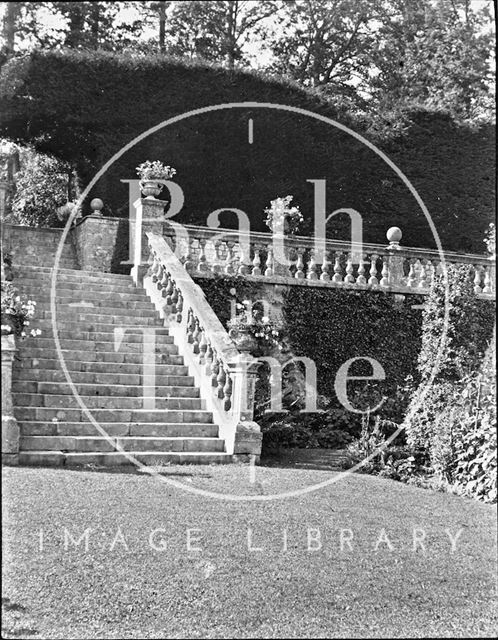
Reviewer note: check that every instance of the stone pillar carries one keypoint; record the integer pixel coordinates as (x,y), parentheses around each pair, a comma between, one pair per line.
(95,239)
(395,261)
(10,428)
(149,217)
(248,436)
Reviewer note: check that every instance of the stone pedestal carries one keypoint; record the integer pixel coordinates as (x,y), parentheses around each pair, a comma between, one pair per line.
(95,239)
(10,428)
(149,218)
(248,436)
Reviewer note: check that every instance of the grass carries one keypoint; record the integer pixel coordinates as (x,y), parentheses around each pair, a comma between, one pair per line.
(130,590)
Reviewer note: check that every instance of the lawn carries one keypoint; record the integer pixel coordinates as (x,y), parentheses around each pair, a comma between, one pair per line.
(292,580)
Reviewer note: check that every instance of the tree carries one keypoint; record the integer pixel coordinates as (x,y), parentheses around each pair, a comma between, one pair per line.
(326,42)
(10,21)
(75,25)
(433,53)
(217,30)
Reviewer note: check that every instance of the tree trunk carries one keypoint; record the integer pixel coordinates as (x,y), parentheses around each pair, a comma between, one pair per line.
(76,23)
(162,26)
(230,34)
(9,27)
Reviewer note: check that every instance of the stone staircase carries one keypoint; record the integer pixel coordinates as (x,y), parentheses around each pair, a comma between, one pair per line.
(107,374)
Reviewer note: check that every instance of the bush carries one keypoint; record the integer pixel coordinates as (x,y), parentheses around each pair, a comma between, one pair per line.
(41,186)
(453,425)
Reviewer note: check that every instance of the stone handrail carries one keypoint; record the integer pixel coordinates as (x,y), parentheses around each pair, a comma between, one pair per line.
(225,376)
(371,266)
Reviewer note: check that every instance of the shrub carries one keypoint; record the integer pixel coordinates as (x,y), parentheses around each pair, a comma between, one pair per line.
(41,187)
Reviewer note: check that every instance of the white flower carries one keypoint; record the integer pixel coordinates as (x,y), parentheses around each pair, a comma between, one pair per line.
(265,319)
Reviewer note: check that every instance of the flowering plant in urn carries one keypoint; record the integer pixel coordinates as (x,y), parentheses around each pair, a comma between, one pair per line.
(251,330)
(149,173)
(17,312)
(281,217)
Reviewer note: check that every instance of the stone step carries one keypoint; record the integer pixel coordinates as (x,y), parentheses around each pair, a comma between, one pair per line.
(98,299)
(165,365)
(118,316)
(45,324)
(67,261)
(104,460)
(120,390)
(91,444)
(25,271)
(45,414)
(68,401)
(61,287)
(166,356)
(128,344)
(181,379)
(130,336)
(148,429)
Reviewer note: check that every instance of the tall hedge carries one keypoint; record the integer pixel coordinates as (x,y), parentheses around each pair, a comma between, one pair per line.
(83,107)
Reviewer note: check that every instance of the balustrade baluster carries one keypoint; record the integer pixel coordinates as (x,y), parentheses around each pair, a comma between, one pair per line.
(299,275)
(349,279)
(229,258)
(325,276)
(337,268)
(361,280)
(209,358)
(430,272)
(221,379)
(477,279)
(163,282)
(174,300)
(179,307)
(215,368)
(412,276)
(227,394)
(384,281)
(372,279)
(244,261)
(202,347)
(256,263)
(196,336)
(202,266)
(156,269)
(312,267)
(189,263)
(422,282)
(269,261)
(190,326)
(488,284)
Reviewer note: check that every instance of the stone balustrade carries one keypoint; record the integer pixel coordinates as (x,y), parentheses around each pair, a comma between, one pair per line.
(226,376)
(390,267)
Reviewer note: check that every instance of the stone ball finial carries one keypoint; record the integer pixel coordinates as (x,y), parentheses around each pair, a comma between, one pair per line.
(96,205)
(394,235)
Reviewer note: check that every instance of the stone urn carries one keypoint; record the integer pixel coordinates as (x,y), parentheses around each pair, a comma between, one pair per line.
(243,339)
(150,188)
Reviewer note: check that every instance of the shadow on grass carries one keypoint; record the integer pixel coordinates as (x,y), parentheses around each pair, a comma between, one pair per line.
(306,459)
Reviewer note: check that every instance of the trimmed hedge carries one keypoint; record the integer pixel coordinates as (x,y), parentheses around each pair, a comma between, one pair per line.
(84,106)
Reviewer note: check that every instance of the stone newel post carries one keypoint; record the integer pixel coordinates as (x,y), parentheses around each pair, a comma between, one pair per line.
(95,239)
(10,428)
(149,217)
(248,436)
(394,261)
